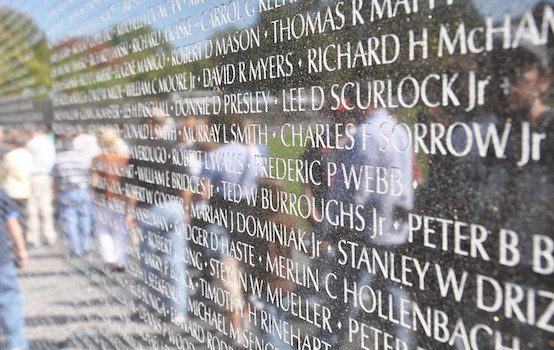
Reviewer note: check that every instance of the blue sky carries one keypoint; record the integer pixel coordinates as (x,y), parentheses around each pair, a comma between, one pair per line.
(41,11)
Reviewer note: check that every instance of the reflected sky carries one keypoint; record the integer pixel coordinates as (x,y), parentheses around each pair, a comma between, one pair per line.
(49,14)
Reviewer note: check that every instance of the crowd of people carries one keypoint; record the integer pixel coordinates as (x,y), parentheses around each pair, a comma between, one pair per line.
(26,197)
(44,189)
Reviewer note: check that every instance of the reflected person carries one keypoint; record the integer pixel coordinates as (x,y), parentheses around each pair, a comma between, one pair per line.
(169,208)
(384,209)
(71,173)
(15,173)
(40,205)
(233,164)
(11,307)
(109,225)
(530,164)
(273,250)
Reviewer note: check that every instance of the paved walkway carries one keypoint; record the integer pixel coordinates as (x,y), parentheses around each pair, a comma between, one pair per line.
(80,304)
(64,309)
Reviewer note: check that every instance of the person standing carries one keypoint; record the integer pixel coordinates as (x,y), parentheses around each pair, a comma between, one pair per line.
(15,173)
(242,173)
(169,208)
(12,321)
(71,173)
(109,225)
(39,207)
(391,206)
(86,143)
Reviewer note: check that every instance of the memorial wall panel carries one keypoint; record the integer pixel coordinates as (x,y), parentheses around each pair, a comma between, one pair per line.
(279,174)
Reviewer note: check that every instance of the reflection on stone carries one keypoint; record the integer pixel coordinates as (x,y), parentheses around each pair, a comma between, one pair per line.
(269,175)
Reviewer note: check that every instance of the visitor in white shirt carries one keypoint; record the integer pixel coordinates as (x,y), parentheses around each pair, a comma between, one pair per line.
(40,206)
